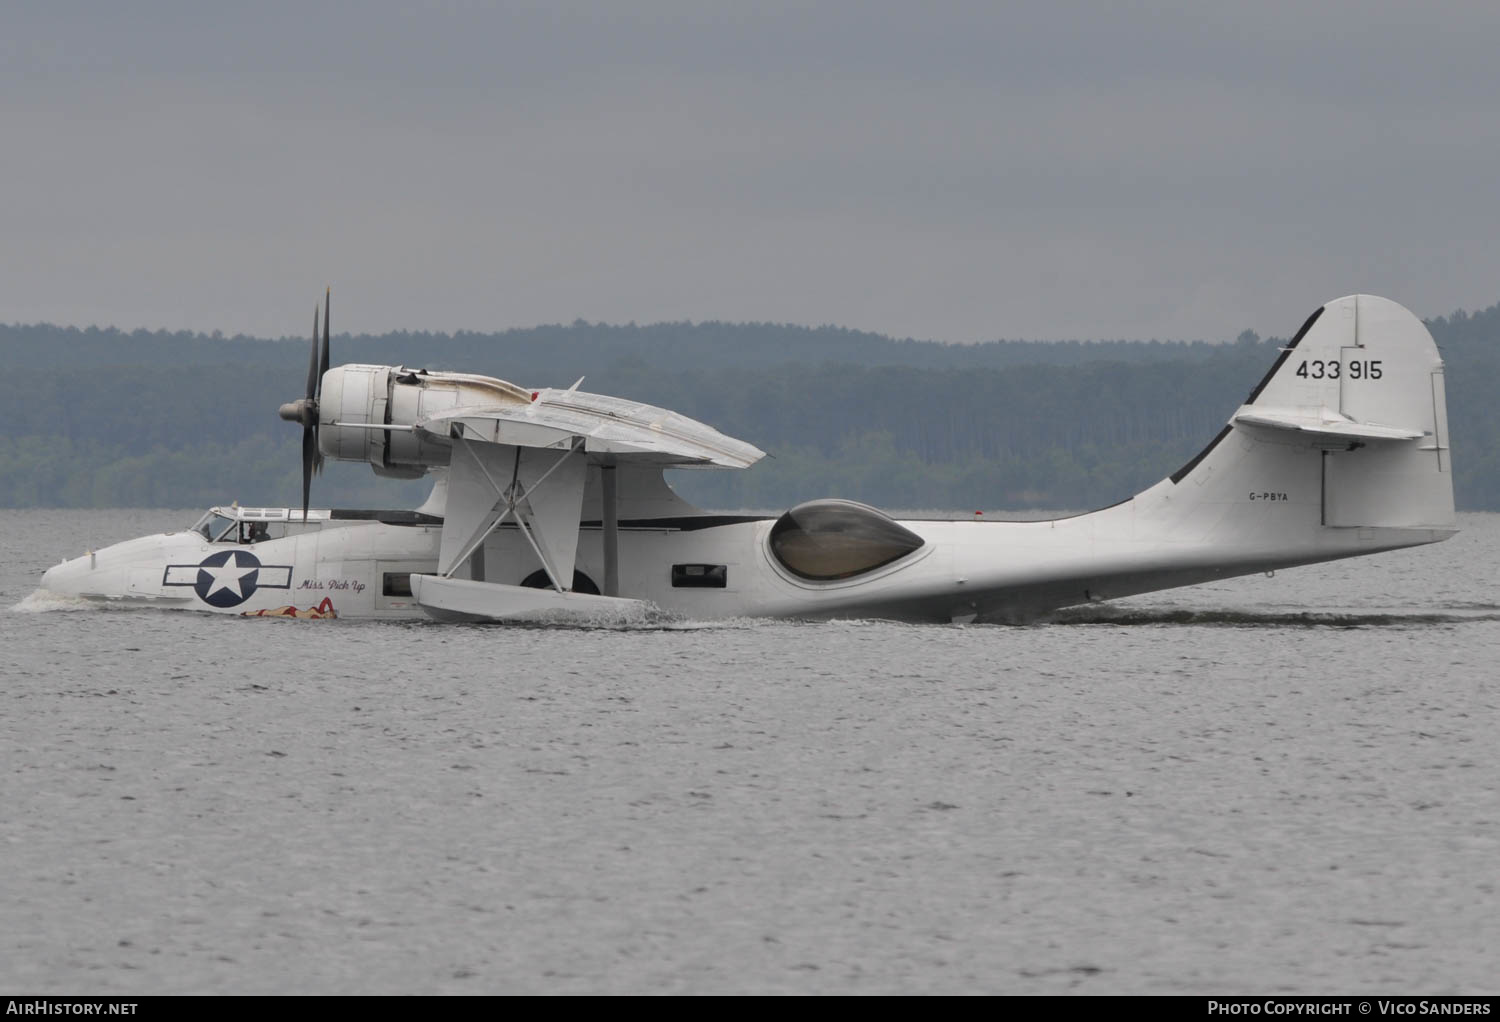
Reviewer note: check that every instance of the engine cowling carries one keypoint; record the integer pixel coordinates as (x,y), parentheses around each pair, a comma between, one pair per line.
(355,398)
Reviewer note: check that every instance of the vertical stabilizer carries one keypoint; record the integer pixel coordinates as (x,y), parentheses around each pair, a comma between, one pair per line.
(1363,385)
(1350,423)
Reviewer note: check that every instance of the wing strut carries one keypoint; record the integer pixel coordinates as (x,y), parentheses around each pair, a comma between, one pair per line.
(481,534)
(517,500)
(611,531)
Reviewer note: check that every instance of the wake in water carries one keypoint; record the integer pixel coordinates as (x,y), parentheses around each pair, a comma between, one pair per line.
(1241,618)
(652,618)
(648,618)
(44,601)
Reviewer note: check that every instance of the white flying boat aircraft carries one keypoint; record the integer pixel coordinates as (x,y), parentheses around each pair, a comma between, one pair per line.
(549,505)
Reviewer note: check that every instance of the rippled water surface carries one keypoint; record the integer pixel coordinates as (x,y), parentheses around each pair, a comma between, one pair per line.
(1284,784)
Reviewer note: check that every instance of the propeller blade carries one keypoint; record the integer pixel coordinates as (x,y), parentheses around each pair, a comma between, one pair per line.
(317,452)
(323,358)
(322,368)
(306,410)
(313,378)
(309,453)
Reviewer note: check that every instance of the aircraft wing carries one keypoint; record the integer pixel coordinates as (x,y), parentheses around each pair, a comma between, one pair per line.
(608,425)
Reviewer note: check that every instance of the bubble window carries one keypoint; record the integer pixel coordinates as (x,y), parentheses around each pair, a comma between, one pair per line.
(827,540)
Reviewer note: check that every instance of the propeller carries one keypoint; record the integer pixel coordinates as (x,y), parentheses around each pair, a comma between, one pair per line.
(305,410)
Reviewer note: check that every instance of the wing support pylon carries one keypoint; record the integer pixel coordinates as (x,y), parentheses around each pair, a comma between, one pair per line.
(547,516)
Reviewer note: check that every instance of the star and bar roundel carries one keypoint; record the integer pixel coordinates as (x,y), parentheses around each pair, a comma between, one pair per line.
(228,578)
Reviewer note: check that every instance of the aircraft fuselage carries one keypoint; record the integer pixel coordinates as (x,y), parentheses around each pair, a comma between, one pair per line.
(699,567)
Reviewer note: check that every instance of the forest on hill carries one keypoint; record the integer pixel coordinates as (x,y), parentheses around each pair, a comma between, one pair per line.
(107,418)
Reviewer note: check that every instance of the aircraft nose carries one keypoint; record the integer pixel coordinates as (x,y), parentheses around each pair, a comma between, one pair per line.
(64,577)
(52,578)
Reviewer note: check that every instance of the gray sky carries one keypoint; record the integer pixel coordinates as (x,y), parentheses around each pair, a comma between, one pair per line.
(958,171)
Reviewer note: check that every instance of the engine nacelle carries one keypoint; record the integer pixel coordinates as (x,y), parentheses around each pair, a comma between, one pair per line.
(354,398)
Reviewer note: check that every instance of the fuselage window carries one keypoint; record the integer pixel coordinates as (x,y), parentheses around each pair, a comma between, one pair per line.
(396,583)
(700,576)
(827,540)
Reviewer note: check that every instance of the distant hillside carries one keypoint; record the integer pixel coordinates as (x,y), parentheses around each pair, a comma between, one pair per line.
(543,354)
(100,417)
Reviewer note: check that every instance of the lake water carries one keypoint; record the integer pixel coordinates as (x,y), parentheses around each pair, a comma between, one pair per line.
(1268,785)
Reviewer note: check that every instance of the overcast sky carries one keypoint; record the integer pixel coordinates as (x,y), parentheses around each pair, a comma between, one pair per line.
(956,171)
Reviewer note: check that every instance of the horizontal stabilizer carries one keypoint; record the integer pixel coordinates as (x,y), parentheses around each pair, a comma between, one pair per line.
(1327,425)
(455,599)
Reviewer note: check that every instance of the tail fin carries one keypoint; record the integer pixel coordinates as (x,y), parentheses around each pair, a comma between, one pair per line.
(1361,388)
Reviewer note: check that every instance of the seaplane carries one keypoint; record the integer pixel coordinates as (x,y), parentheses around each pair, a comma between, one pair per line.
(550,506)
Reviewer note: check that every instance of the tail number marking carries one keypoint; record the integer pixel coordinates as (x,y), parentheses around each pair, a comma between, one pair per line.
(1359,369)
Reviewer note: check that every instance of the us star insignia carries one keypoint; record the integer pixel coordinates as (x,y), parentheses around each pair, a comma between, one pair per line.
(229,577)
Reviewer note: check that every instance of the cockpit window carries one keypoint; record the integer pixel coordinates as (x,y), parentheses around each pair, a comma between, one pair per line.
(259,532)
(213,526)
(826,540)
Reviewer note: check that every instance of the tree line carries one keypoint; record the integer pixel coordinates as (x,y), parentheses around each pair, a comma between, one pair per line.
(102,417)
